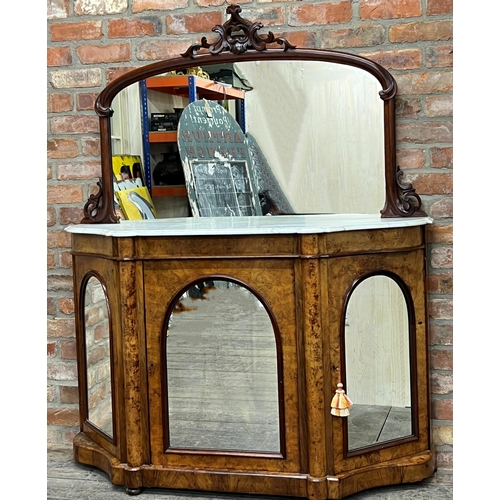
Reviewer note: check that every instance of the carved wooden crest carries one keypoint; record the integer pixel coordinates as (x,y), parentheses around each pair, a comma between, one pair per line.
(237,35)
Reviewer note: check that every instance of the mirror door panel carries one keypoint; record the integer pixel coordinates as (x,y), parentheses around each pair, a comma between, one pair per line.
(194,343)
(379,363)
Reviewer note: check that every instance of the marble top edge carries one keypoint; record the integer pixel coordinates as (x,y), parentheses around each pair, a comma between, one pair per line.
(218,226)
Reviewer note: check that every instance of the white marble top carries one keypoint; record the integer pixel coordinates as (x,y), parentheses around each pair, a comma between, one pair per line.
(218,226)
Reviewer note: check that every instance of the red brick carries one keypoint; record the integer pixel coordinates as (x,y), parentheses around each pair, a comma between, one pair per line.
(431,183)
(59,56)
(202,22)
(410,158)
(442,435)
(444,459)
(114,73)
(68,394)
(68,349)
(441,284)
(95,54)
(86,101)
(65,260)
(127,28)
(61,327)
(155,50)
(63,416)
(306,39)
(421,32)
(320,13)
(51,260)
(397,59)
(79,170)
(442,208)
(78,124)
(59,282)
(51,217)
(216,3)
(424,132)
(441,359)
(439,234)
(441,157)
(441,309)
(425,83)
(51,349)
(101,332)
(99,8)
(389,9)
(58,239)
(437,106)
(70,215)
(442,257)
(442,409)
(408,107)
(441,383)
(271,16)
(59,103)
(85,30)
(439,57)
(67,305)
(63,193)
(366,35)
(62,148)
(91,146)
(436,7)
(75,78)
(49,172)
(51,394)
(57,9)
(51,306)
(142,5)
(441,334)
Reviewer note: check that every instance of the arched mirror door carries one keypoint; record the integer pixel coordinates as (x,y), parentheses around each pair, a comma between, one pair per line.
(98,369)
(222,371)
(378,363)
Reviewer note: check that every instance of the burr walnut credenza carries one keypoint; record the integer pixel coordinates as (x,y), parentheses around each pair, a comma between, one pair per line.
(280,354)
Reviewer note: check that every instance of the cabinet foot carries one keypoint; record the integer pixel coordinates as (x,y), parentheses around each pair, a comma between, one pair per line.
(134,491)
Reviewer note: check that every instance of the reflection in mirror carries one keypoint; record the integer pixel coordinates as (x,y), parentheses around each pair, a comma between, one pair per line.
(319,125)
(98,361)
(378,363)
(222,371)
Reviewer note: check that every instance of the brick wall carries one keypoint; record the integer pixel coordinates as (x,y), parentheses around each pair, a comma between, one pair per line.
(91,42)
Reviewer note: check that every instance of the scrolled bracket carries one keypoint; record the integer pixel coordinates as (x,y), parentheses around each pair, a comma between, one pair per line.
(93,210)
(409,201)
(237,35)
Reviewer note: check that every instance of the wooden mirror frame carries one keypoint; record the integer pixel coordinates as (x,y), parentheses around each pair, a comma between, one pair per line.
(239,41)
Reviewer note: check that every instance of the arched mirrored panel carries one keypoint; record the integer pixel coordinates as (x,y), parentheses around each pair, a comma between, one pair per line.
(222,371)
(377,352)
(98,357)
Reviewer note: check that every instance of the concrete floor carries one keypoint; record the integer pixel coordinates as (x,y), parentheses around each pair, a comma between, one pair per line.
(69,480)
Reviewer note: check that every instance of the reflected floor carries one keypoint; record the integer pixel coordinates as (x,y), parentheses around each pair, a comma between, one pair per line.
(370,424)
(222,373)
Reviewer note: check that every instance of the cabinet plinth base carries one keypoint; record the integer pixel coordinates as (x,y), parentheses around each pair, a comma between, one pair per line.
(404,470)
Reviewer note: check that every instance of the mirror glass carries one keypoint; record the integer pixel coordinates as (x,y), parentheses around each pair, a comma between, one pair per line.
(377,363)
(98,360)
(222,372)
(320,127)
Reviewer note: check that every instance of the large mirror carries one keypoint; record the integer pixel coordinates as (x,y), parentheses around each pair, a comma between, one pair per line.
(377,352)
(319,126)
(324,120)
(222,371)
(97,357)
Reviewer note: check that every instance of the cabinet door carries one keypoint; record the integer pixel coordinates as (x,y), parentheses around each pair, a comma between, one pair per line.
(379,326)
(222,359)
